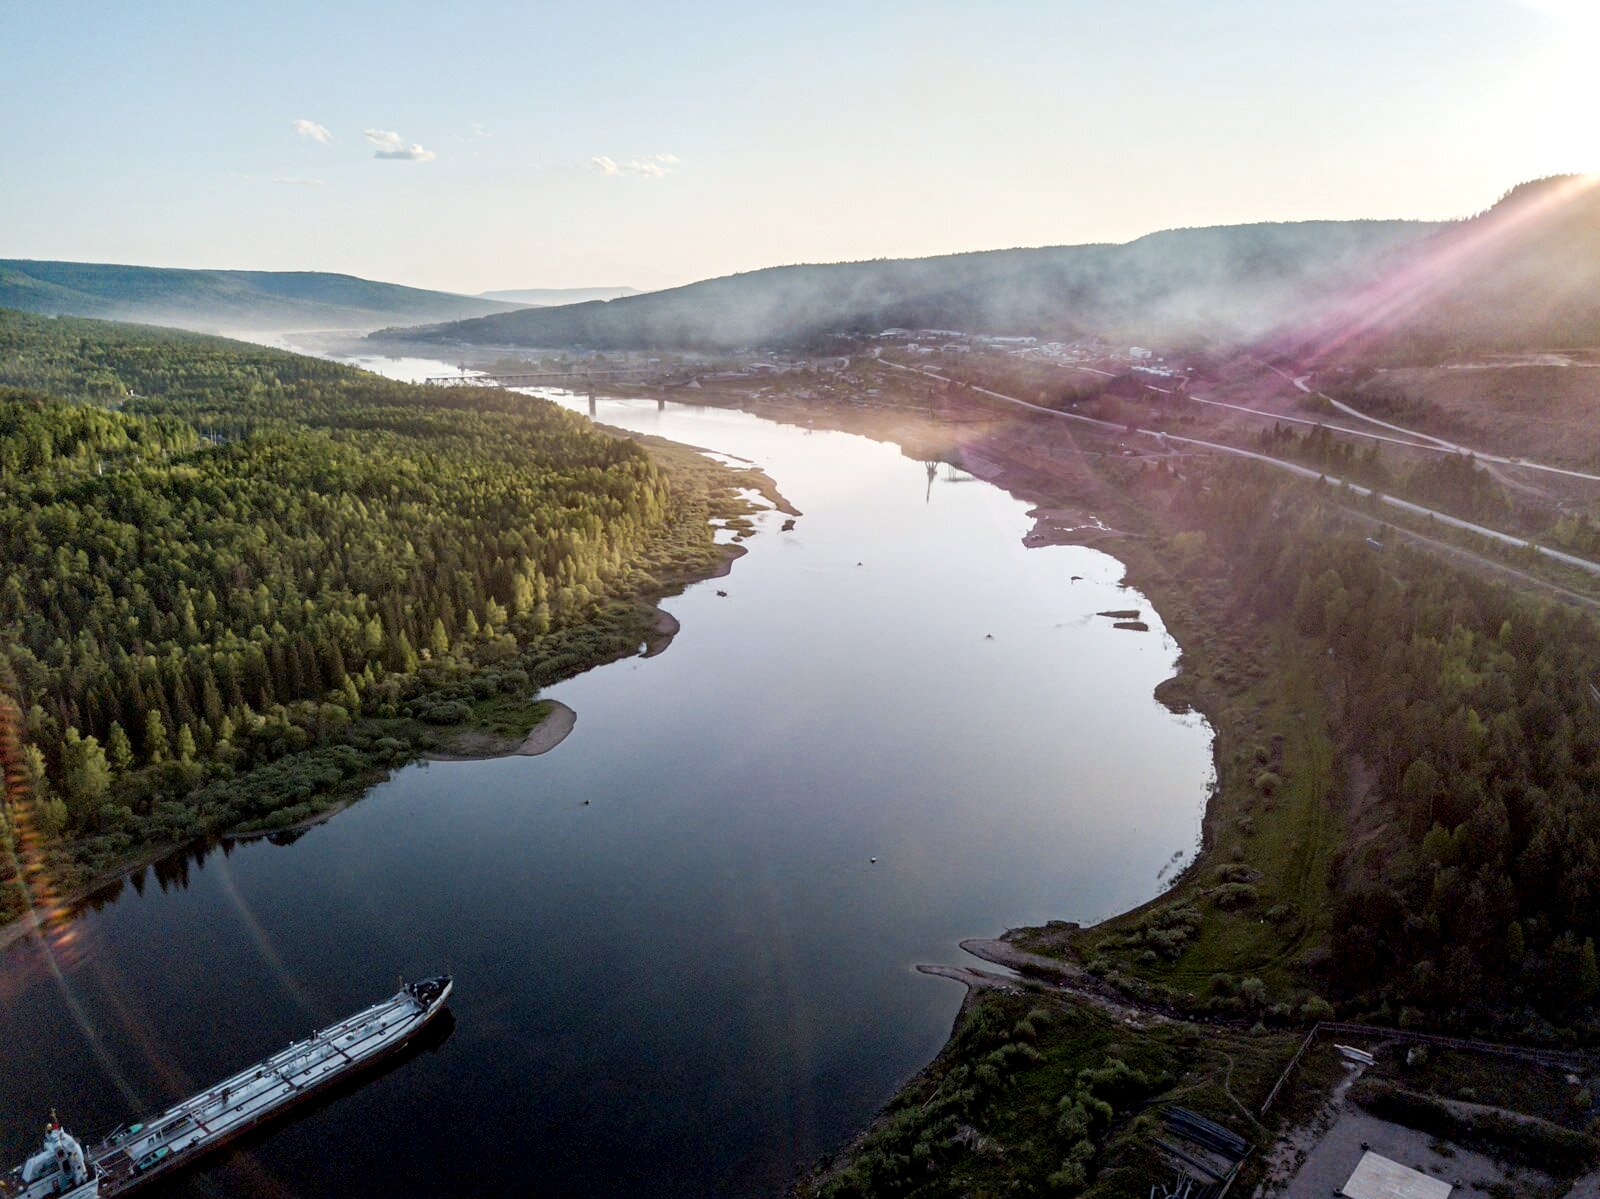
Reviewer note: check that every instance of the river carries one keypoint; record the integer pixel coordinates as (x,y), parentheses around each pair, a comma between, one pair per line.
(679,971)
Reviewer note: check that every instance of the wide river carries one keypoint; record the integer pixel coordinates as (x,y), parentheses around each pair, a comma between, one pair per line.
(678,969)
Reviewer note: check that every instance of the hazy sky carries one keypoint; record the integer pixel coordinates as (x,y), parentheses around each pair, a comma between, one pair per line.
(472,146)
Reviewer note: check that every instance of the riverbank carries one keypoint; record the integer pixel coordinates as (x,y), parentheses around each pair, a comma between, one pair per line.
(353,758)
(551,728)
(1244,681)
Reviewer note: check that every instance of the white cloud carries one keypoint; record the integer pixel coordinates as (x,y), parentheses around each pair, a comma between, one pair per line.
(391,145)
(299,182)
(316,132)
(651,165)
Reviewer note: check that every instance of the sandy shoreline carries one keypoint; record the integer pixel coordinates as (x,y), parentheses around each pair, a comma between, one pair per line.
(541,739)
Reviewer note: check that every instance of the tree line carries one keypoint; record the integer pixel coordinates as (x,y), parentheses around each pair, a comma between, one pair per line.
(1474,709)
(220,555)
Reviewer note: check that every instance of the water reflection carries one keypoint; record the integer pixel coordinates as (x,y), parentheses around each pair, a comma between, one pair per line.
(680,970)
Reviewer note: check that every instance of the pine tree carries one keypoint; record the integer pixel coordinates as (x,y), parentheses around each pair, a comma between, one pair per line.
(406,660)
(85,773)
(119,750)
(211,706)
(438,640)
(156,747)
(186,745)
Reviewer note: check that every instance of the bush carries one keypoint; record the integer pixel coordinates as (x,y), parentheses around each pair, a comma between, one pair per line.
(1230,897)
(1316,1009)
(1536,1143)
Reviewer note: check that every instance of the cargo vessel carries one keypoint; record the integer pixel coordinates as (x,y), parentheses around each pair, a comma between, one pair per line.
(136,1154)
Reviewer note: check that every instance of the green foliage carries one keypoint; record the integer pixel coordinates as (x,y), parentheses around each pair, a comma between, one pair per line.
(257,550)
(1037,1095)
(1469,705)
(1530,1141)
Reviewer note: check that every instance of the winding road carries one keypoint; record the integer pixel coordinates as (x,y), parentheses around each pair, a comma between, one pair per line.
(1284,465)
(1300,382)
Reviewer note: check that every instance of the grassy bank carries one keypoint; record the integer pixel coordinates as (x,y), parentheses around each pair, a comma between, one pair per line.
(1038,1093)
(1355,861)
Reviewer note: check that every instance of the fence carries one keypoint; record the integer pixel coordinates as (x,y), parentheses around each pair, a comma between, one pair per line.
(1565,1059)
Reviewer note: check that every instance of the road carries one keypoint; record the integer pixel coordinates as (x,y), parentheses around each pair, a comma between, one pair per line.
(1295,468)
(1300,382)
(1322,424)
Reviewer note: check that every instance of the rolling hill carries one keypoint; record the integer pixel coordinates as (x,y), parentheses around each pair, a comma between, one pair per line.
(1522,275)
(544,297)
(1230,283)
(226,301)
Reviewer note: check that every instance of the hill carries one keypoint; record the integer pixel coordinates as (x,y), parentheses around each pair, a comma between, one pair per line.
(544,297)
(220,301)
(1522,276)
(1218,283)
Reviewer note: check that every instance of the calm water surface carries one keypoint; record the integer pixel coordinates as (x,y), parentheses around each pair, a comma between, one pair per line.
(697,981)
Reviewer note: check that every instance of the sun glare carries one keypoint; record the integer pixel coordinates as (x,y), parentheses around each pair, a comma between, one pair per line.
(1563,88)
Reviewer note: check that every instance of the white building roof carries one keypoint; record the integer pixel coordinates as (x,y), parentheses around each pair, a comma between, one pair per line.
(1379,1178)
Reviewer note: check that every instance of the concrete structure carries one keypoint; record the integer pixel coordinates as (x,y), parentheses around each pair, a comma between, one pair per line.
(1140,352)
(1376,1177)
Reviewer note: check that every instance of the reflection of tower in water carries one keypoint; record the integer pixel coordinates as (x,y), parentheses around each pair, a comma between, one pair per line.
(933,469)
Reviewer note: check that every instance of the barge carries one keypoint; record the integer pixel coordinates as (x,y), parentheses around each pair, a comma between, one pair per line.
(136,1154)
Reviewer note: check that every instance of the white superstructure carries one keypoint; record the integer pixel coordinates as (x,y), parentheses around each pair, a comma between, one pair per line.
(137,1153)
(58,1169)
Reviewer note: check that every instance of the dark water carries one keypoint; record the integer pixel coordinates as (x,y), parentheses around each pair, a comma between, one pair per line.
(698,981)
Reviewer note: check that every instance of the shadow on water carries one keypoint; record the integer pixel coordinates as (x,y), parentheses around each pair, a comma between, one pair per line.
(684,940)
(172,871)
(235,1168)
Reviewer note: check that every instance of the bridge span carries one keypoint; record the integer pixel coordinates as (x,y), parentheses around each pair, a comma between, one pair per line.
(566,378)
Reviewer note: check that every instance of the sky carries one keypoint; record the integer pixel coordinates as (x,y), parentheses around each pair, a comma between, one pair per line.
(472,146)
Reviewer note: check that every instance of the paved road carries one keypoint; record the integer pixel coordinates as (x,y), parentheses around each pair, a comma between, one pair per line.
(1301,383)
(1322,424)
(1279,464)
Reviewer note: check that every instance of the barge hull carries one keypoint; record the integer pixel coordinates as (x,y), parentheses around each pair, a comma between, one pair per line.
(262,1093)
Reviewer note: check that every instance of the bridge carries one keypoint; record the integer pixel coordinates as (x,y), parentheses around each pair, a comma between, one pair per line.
(556,378)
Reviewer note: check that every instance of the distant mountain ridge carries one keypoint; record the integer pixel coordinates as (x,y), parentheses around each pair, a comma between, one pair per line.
(226,300)
(544,297)
(1227,282)
(1523,274)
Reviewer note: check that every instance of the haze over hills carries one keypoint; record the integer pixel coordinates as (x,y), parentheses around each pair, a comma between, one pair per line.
(225,300)
(543,297)
(1523,274)
(1229,282)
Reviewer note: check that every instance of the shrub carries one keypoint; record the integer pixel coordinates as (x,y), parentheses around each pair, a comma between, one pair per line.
(1230,897)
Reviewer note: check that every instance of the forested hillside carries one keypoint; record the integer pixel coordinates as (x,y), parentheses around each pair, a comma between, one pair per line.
(237,578)
(1409,761)
(226,300)
(1222,283)
(1522,277)
(1467,891)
